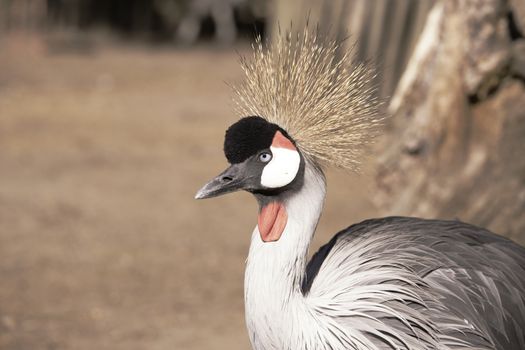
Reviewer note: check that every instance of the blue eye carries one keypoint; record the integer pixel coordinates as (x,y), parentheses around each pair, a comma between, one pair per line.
(265,157)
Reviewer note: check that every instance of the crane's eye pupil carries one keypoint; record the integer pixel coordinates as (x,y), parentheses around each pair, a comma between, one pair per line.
(265,157)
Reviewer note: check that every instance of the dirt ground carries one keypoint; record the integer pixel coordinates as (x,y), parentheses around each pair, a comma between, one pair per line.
(102,245)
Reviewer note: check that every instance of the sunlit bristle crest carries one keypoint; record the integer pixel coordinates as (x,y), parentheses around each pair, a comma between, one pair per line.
(325,100)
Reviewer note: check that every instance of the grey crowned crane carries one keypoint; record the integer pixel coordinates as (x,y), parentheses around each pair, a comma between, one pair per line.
(390,283)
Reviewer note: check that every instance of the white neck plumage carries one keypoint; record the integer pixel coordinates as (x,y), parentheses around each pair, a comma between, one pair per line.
(275,270)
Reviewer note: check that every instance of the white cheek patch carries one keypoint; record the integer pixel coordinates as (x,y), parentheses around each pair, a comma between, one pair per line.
(282,169)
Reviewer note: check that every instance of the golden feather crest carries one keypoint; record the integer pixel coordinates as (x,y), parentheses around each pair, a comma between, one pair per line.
(326,102)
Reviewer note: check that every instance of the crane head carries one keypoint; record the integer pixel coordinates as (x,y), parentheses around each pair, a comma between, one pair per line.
(263,160)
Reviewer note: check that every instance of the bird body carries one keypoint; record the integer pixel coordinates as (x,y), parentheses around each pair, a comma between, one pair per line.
(391,283)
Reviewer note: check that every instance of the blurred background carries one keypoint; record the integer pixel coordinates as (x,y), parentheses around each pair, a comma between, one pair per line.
(112,115)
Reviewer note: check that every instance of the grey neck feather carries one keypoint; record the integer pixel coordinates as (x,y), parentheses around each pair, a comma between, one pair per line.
(275,270)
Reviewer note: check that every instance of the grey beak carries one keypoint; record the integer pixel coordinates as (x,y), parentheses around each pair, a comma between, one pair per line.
(228,181)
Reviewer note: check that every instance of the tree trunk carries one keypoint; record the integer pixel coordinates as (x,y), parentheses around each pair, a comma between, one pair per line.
(457,137)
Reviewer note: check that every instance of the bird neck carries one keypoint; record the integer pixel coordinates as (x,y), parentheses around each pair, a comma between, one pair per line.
(275,270)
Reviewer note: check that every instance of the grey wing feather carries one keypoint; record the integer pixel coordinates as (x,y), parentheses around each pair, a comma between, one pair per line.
(476,276)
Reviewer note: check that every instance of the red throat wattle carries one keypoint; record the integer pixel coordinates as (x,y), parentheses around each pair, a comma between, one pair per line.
(272,221)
